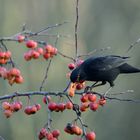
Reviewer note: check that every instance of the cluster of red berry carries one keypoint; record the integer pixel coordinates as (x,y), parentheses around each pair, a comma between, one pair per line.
(73,129)
(33,53)
(29,110)
(4,57)
(59,106)
(47,51)
(9,108)
(89,100)
(53,106)
(53,135)
(13,75)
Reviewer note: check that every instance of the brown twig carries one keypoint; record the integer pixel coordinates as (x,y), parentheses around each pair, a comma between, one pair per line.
(49,118)
(46,29)
(78,113)
(132,45)
(68,57)
(94,51)
(58,93)
(1,138)
(46,75)
(76,28)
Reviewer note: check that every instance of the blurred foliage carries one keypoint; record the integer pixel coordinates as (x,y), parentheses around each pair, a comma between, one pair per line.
(101,24)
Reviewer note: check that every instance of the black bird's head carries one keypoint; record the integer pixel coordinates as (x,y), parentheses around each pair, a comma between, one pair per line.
(77,75)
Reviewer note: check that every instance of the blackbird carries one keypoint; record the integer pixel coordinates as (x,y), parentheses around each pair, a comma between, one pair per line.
(102,69)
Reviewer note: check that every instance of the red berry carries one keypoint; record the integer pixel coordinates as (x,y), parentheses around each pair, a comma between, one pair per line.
(55,133)
(84,98)
(20,38)
(27,56)
(54,51)
(48,48)
(79,62)
(67,130)
(8,113)
(38,106)
(27,110)
(33,109)
(35,54)
(2,55)
(49,136)
(19,79)
(84,106)
(3,72)
(92,97)
(20,103)
(80,86)
(31,44)
(46,55)
(43,132)
(61,106)
(90,136)
(76,130)
(6,105)
(52,106)
(7,55)
(69,105)
(14,72)
(102,101)
(71,66)
(93,106)
(15,106)
(46,99)
(39,50)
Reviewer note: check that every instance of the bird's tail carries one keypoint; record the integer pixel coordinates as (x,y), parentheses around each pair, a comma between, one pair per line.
(126,68)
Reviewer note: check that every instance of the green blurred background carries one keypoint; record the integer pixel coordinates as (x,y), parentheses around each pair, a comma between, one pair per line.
(102,23)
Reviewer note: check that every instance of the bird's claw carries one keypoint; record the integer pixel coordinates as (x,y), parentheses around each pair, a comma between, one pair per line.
(87,89)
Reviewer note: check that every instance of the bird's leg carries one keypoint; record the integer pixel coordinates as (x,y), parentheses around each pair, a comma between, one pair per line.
(107,91)
(67,87)
(90,87)
(96,85)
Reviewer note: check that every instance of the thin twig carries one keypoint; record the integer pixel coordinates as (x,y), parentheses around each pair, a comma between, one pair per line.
(48,28)
(132,45)
(76,28)
(49,118)
(68,57)
(78,113)
(94,51)
(1,138)
(57,93)
(120,93)
(46,75)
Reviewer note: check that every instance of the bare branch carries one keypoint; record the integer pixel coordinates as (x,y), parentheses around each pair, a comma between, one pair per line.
(68,57)
(132,45)
(1,138)
(48,28)
(94,51)
(46,75)
(76,28)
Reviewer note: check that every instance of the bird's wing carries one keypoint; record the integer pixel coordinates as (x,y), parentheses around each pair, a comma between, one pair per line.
(105,62)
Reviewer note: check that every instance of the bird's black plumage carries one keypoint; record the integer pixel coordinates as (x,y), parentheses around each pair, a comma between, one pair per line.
(103,68)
